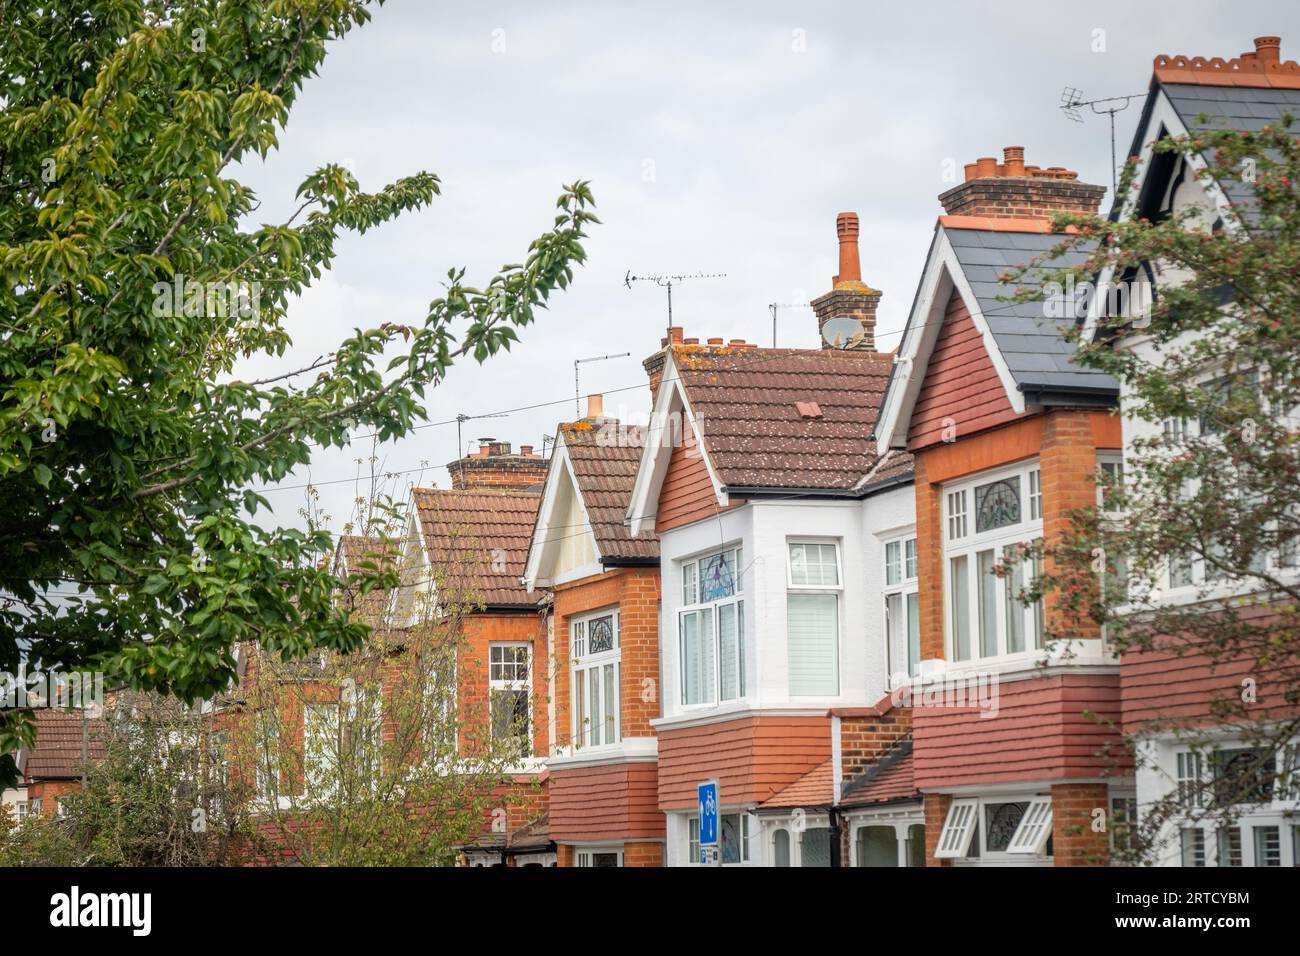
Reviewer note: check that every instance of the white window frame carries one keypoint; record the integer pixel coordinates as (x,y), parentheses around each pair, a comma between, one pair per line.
(583,855)
(967,814)
(747,825)
(511,684)
(970,544)
(692,604)
(902,838)
(907,586)
(1035,828)
(835,590)
(958,829)
(588,665)
(321,720)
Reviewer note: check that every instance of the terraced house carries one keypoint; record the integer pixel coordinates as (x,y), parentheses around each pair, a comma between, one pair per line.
(604,666)
(475,536)
(1169,692)
(1007,434)
(776,521)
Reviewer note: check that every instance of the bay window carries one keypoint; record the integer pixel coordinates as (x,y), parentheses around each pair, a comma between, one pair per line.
(902,610)
(992,525)
(595,679)
(813,619)
(711,629)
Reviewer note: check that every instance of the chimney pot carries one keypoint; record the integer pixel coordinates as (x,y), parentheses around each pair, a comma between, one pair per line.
(1013,160)
(849,296)
(692,341)
(716,341)
(595,406)
(737,343)
(972,170)
(675,334)
(526,451)
(846,227)
(986,167)
(1268,49)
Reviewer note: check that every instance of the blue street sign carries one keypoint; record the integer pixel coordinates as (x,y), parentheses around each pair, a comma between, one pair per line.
(708,796)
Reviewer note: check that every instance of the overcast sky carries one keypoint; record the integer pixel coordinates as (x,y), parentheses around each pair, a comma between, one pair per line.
(718,139)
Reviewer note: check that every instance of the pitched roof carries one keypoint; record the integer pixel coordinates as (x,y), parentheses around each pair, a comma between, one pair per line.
(57,754)
(745,403)
(816,788)
(1031,344)
(605,471)
(1235,108)
(536,834)
(885,781)
(364,555)
(478,540)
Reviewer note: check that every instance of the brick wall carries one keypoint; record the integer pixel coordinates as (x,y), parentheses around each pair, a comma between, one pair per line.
(936,812)
(481,631)
(1021,198)
(1068,465)
(864,740)
(1074,842)
(643,854)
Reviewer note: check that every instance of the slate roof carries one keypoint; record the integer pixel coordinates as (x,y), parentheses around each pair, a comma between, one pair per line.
(745,404)
(1031,343)
(816,788)
(57,754)
(886,781)
(478,540)
(1237,108)
(605,472)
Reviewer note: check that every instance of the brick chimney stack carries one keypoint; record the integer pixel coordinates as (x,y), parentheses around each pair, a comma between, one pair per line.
(494,466)
(1012,190)
(850,298)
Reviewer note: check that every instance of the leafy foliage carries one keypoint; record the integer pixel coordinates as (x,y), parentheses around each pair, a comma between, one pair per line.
(1198,542)
(127,450)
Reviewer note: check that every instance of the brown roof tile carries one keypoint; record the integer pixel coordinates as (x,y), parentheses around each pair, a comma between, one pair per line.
(479,540)
(888,780)
(816,788)
(57,754)
(361,555)
(605,455)
(747,405)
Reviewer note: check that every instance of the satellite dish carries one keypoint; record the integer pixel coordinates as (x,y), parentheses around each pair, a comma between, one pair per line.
(843,332)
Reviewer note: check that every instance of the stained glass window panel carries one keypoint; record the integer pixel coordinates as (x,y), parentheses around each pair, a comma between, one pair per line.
(997,504)
(600,635)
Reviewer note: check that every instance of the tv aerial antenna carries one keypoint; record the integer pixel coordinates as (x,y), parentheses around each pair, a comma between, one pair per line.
(668,281)
(774,306)
(1072,103)
(461,419)
(577,392)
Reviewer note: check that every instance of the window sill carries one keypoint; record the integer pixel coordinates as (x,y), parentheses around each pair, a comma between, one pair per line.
(1073,654)
(628,750)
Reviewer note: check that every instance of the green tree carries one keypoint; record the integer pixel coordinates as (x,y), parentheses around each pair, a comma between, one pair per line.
(1198,540)
(131,282)
(162,795)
